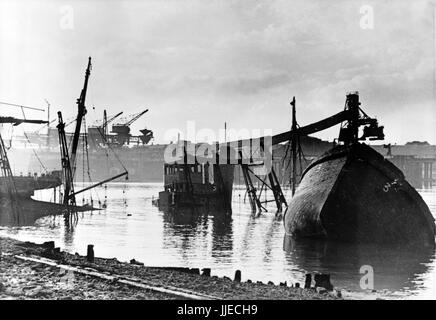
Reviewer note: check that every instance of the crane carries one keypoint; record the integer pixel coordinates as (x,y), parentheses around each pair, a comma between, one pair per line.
(107,121)
(132,118)
(122,130)
(98,134)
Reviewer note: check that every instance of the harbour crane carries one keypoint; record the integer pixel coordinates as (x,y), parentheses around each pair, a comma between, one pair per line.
(98,134)
(122,130)
(106,122)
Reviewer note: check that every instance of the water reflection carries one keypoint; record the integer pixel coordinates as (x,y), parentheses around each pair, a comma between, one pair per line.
(187,229)
(395,268)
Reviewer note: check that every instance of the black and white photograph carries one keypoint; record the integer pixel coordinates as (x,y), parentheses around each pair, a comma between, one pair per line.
(195,151)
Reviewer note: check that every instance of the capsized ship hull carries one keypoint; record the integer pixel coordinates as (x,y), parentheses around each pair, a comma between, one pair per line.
(30,210)
(353,194)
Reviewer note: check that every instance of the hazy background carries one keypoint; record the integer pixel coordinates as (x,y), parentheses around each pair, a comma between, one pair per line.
(217,61)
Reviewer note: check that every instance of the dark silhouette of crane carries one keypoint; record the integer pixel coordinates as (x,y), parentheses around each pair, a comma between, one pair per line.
(99,134)
(122,130)
(106,122)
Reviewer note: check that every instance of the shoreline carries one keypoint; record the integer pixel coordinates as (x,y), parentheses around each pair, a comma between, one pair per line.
(42,271)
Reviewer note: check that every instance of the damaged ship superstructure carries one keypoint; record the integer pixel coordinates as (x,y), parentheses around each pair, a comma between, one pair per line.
(352,193)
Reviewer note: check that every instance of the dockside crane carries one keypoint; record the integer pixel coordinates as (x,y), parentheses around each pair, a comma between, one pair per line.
(98,134)
(122,130)
(108,121)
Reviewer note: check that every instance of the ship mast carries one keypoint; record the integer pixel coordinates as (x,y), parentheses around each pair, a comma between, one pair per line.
(69,162)
(81,111)
(67,174)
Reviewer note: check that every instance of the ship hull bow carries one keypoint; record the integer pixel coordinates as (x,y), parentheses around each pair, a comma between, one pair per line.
(353,194)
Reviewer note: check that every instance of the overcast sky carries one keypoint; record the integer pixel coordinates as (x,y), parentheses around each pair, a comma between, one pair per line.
(216,61)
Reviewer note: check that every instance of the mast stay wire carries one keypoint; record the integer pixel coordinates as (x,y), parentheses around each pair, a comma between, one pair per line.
(111,149)
(86,156)
(28,140)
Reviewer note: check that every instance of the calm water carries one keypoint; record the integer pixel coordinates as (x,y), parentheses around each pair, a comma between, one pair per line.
(131,227)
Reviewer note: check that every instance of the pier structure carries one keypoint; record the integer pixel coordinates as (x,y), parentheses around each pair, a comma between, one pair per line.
(418,171)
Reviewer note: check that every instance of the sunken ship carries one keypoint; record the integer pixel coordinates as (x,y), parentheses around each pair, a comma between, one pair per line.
(16,205)
(352,193)
(193,184)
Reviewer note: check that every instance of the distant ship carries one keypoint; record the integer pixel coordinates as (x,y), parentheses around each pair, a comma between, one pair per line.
(143,160)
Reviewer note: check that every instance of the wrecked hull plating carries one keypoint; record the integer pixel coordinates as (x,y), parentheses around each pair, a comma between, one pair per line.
(353,194)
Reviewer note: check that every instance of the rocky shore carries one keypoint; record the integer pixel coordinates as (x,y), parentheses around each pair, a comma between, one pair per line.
(41,271)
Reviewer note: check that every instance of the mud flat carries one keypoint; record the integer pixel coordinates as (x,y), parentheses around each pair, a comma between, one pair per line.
(41,271)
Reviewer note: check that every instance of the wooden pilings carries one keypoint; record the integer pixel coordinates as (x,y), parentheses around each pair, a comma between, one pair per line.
(90,253)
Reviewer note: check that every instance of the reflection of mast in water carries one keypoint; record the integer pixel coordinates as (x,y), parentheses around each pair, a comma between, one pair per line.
(274,227)
(395,268)
(184,231)
(222,233)
(248,233)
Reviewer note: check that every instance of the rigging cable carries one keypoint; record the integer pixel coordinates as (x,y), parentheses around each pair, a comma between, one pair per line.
(111,149)
(87,163)
(28,140)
